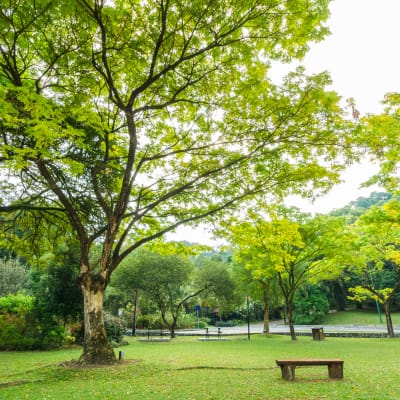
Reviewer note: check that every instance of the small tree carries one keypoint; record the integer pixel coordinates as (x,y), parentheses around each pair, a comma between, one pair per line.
(214,275)
(379,240)
(247,241)
(294,249)
(165,279)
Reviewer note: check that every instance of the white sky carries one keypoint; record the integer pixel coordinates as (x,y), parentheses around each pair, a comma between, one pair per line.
(362,58)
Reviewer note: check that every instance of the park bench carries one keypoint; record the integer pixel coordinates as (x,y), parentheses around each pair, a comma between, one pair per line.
(217,333)
(335,366)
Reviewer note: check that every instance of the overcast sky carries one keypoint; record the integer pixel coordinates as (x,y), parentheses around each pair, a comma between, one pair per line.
(363,60)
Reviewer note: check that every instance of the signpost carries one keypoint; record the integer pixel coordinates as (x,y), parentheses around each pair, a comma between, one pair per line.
(197,314)
(248,316)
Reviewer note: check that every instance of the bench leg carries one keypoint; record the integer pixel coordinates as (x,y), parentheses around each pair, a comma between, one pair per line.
(288,372)
(335,371)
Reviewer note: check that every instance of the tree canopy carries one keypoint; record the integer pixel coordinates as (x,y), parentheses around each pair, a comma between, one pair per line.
(126,119)
(378,244)
(292,249)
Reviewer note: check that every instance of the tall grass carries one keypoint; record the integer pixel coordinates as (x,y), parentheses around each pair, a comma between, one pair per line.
(187,368)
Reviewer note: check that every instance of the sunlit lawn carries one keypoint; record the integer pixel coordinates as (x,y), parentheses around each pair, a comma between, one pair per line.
(353,317)
(187,368)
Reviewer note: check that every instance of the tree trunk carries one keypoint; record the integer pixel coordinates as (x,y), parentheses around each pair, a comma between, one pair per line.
(389,322)
(266,307)
(173,326)
(96,347)
(289,314)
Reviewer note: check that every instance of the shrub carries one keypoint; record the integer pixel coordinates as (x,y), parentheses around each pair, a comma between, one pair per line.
(16,303)
(114,327)
(21,329)
(187,321)
(77,332)
(149,321)
(310,306)
(232,322)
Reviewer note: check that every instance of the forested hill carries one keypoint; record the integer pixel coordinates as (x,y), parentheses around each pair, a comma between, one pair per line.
(358,207)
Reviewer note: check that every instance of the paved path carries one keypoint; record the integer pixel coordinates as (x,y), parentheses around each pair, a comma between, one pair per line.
(280,327)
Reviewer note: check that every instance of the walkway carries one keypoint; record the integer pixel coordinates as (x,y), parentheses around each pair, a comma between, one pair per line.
(278,327)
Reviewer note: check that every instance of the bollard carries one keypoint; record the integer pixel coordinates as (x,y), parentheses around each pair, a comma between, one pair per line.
(120,355)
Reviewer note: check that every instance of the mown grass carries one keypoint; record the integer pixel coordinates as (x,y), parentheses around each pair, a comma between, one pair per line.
(187,368)
(353,317)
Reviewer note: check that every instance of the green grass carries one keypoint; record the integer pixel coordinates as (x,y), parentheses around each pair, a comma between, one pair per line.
(188,369)
(353,317)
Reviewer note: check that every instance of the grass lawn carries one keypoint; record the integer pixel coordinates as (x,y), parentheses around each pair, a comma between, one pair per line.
(187,368)
(353,317)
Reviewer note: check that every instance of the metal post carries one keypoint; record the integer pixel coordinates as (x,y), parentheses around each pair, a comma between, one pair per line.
(134,313)
(248,317)
(378,308)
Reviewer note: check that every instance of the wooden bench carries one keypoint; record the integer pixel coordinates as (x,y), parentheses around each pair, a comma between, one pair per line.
(335,366)
(218,333)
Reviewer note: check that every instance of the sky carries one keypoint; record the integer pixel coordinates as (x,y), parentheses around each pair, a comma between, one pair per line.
(362,58)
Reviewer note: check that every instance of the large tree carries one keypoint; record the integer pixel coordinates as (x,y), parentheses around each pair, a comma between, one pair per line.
(126,119)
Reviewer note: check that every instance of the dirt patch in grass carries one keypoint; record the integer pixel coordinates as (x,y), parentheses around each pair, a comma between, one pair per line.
(14,383)
(75,364)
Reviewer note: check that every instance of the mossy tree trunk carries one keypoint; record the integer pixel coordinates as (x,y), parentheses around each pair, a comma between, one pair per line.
(97,348)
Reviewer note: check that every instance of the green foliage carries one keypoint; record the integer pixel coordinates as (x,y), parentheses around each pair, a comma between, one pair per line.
(359,206)
(149,321)
(58,296)
(292,249)
(377,246)
(17,327)
(14,276)
(21,329)
(190,321)
(114,327)
(155,114)
(16,304)
(380,136)
(310,305)
(215,276)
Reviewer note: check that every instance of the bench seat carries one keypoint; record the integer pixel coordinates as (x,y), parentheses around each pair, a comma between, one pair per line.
(288,366)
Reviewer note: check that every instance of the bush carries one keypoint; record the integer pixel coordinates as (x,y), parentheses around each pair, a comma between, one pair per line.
(77,332)
(232,322)
(16,304)
(114,328)
(310,306)
(187,321)
(21,329)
